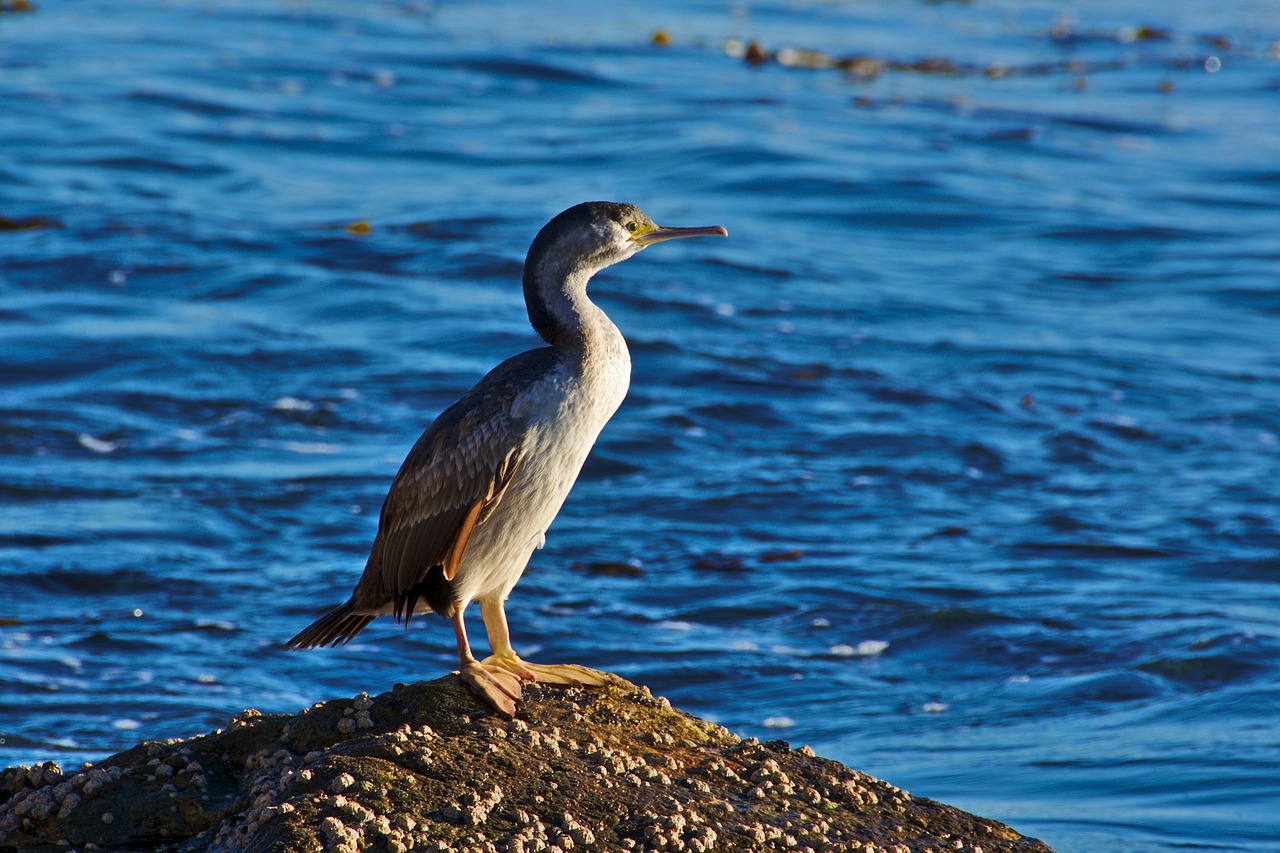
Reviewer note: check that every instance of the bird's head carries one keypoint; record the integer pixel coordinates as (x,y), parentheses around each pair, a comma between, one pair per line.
(583,240)
(593,235)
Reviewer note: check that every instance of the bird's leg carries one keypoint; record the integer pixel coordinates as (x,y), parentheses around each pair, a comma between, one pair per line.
(494,684)
(504,656)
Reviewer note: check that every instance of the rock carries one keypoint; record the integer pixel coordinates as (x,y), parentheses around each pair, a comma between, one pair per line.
(427,767)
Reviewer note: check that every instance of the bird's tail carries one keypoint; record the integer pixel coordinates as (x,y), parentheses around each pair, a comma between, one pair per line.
(335,628)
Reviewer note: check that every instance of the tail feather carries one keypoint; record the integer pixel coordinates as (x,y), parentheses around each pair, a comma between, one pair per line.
(336,628)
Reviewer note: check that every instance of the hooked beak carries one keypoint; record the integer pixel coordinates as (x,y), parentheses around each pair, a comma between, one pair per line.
(657,235)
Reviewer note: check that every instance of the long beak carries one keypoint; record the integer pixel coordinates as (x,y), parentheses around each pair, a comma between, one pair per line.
(657,235)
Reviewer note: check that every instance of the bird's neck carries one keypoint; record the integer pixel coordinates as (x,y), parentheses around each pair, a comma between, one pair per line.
(561,312)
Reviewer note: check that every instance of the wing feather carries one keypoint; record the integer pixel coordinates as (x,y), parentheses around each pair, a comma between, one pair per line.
(451,482)
(453,556)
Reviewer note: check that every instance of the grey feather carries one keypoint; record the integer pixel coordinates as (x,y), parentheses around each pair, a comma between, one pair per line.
(467,455)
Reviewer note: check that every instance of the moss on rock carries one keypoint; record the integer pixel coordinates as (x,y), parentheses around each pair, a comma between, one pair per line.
(427,767)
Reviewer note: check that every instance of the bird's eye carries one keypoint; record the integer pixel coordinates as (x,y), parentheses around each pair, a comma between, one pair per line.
(631,226)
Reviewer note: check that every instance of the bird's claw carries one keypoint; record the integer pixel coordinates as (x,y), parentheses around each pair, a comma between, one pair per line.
(501,689)
(559,674)
(499,679)
(569,675)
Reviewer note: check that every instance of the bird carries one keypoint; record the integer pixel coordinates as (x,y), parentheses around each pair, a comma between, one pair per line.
(476,493)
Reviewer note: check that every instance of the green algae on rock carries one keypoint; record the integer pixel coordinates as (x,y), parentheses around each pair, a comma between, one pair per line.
(427,767)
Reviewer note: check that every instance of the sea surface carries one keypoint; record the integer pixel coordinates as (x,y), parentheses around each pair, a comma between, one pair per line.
(959,460)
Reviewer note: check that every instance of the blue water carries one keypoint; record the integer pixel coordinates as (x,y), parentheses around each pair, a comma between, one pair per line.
(986,372)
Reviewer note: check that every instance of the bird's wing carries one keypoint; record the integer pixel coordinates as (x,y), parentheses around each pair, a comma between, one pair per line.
(451,482)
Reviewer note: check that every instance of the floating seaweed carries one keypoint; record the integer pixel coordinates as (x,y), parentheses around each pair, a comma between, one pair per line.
(863,67)
(27,223)
(867,66)
(609,568)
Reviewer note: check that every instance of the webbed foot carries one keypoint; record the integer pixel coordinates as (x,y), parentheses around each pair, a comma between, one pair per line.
(496,685)
(563,674)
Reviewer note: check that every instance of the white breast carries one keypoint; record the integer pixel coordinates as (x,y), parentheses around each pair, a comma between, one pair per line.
(566,411)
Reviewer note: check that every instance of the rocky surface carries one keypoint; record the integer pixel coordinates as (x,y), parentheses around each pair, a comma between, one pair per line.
(426,767)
